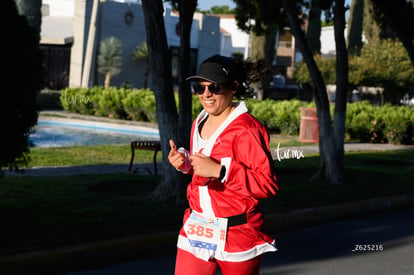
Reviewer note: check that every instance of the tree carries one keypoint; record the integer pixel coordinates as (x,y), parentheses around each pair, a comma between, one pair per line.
(375,29)
(263,20)
(219,10)
(398,14)
(171,124)
(326,66)
(331,136)
(32,10)
(313,33)
(355,24)
(186,10)
(110,58)
(21,80)
(385,64)
(141,52)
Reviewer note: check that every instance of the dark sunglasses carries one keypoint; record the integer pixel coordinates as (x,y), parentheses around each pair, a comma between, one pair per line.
(213,88)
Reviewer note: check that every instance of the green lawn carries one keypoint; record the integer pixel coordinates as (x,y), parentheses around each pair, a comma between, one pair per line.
(85,155)
(49,212)
(109,154)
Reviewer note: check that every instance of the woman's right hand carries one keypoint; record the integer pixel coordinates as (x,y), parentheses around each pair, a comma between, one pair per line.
(180,158)
(175,158)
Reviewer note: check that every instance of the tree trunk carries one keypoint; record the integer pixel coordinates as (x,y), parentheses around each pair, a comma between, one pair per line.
(330,170)
(341,88)
(269,52)
(107,82)
(32,10)
(146,74)
(257,52)
(314,27)
(356,16)
(186,10)
(172,183)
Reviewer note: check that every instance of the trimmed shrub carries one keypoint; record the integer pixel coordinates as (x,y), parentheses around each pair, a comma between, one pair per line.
(140,105)
(278,116)
(364,121)
(79,100)
(398,125)
(109,103)
(386,124)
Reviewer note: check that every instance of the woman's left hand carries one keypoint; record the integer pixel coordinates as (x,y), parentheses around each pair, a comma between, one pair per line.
(204,166)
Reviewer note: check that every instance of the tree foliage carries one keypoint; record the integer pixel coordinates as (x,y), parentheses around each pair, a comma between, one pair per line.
(375,30)
(398,14)
(385,64)
(21,79)
(218,10)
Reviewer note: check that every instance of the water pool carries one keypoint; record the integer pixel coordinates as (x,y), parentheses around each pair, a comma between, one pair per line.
(59,132)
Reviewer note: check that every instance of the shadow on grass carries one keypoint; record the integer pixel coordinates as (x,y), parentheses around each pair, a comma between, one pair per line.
(49,212)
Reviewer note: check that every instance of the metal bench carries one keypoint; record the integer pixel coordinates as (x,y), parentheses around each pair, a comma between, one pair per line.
(145,145)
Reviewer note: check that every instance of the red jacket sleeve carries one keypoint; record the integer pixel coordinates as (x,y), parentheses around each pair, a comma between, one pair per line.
(251,171)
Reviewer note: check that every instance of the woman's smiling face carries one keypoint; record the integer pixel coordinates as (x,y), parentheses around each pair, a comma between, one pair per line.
(216,104)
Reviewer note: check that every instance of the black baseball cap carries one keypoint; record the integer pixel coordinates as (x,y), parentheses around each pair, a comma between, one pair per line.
(214,72)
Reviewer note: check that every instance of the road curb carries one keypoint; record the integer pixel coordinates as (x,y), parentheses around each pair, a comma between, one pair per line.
(99,254)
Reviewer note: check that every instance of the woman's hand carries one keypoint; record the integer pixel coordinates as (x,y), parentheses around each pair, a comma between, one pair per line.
(175,158)
(204,166)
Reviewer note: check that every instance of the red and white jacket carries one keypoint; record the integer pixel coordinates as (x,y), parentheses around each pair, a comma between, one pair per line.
(241,143)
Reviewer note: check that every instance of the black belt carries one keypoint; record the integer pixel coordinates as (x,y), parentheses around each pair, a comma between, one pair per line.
(236,220)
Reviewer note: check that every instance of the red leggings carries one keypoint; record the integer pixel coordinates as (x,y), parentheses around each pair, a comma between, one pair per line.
(187,264)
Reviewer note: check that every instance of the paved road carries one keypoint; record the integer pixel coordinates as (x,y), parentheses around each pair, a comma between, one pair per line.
(326,249)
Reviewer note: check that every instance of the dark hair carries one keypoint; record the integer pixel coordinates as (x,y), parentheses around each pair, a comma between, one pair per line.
(243,71)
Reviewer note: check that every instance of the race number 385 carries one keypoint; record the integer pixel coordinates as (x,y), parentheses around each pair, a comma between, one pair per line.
(200,231)
(206,233)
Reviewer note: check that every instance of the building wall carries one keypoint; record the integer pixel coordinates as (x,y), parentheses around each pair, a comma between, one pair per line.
(64,8)
(209,36)
(113,22)
(205,37)
(236,40)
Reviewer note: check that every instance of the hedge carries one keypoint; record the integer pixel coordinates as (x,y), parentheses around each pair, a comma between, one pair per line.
(364,122)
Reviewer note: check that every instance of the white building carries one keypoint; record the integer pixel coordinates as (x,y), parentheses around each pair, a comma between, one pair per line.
(66,40)
(66,36)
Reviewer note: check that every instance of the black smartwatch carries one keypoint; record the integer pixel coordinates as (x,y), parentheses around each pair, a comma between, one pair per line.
(222,173)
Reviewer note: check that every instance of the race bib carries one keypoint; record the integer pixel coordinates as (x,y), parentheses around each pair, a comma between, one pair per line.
(206,233)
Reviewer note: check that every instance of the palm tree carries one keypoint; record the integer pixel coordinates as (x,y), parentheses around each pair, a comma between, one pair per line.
(141,52)
(110,58)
